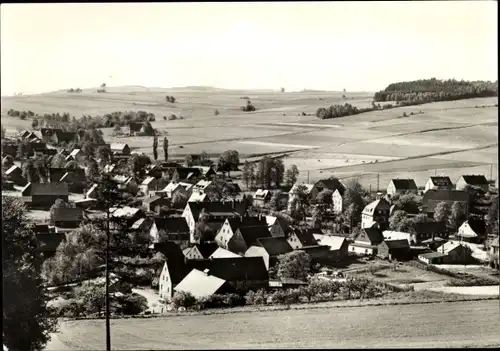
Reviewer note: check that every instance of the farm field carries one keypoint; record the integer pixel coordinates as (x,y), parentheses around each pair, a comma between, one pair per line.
(452,137)
(461,324)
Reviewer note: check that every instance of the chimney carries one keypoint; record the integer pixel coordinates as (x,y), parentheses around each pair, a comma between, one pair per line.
(207,271)
(379,196)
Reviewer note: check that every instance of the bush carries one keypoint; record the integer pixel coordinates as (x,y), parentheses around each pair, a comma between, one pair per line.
(256,298)
(183,299)
(131,304)
(216,113)
(172,117)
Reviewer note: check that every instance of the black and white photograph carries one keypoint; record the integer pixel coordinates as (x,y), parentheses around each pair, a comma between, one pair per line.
(249,175)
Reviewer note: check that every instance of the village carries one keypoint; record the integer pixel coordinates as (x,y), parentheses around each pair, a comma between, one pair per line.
(217,235)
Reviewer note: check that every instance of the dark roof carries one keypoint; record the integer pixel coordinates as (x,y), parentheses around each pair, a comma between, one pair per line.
(404,184)
(75,175)
(217,207)
(172,224)
(441,181)
(68,214)
(397,244)
(477,225)
(55,174)
(41,229)
(305,237)
(430,227)
(374,235)
(475,179)
(246,221)
(175,260)
(65,136)
(275,246)
(153,199)
(332,184)
(206,249)
(39,189)
(251,234)
(233,268)
(434,196)
(432,255)
(183,172)
(135,127)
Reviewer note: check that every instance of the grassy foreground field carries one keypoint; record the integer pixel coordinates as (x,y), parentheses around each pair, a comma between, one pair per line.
(451,324)
(453,137)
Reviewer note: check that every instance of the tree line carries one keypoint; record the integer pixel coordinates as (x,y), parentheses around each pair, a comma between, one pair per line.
(431,90)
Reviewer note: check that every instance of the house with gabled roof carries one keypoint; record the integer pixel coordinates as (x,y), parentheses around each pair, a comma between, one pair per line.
(332,184)
(261,197)
(15,174)
(400,186)
(298,238)
(309,191)
(474,180)
(428,230)
(472,230)
(394,249)
(55,174)
(451,252)
(75,178)
(431,198)
(44,195)
(207,171)
(202,284)
(174,229)
(200,251)
(223,253)
(376,212)
(147,185)
(57,136)
(217,211)
(153,203)
(276,226)
(76,155)
(67,217)
(199,197)
(269,249)
(120,149)
(439,183)
(226,236)
(367,241)
(92,192)
(339,246)
(174,268)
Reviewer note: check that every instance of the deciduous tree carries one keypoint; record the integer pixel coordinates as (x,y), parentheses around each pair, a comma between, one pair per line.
(442,212)
(295,264)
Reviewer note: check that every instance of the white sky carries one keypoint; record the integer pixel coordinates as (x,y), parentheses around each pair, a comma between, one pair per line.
(313,45)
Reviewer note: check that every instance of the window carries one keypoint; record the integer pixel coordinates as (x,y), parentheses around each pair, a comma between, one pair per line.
(366,251)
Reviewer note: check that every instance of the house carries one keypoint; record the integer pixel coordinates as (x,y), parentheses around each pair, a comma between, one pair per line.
(339,246)
(44,195)
(332,184)
(269,249)
(198,197)
(276,226)
(428,230)
(261,197)
(57,136)
(172,188)
(286,283)
(238,234)
(494,253)
(44,152)
(174,229)
(148,185)
(15,174)
(55,174)
(109,168)
(376,212)
(472,180)
(219,210)
(154,203)
(9,149)
(207,171)
(394,235)
(398,249)
(337,202)
(298,238)
(400,186)
(185,174)
(125,216)
(75,178)
(173,271)
(367,241)
(242,273)
(76,155)
(318,253)
(68,217)
(202,284)
(431,198)
(223,253)
(200,251)
(120,149)
(473,230)
(92,193)
(134,127)
(439,183)
(452,252)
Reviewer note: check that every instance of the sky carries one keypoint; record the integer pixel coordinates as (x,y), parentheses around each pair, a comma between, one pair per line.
(359,46)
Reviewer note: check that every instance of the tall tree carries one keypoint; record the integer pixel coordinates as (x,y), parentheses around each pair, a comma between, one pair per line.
(353,195)
(291,175)
(442,212)
(492,216)
(228,161)
(277,172)
(155,147)
(30,172)
(58,161)
(165,148)
(295,264)
(457,214)
(27,319)
(245,175)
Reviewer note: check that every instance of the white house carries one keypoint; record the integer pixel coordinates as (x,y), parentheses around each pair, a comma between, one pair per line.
(376,212)
(478,180)
(337,202)
(223,253)
(439,183)
(202,186)
(258,251)
(275,226)
(147,185)
(398,186)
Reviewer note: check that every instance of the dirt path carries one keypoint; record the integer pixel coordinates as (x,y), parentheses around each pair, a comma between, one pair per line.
(456,324)
(469,290)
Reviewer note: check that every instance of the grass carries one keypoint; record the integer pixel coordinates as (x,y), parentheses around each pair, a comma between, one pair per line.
(278,126)
(378,326)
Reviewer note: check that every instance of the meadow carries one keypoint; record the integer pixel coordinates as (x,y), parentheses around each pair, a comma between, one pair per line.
(452,137)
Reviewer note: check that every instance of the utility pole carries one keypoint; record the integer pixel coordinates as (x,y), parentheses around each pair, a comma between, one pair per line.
(108,331)
(307,176)
(435,171)
(378,183)
(491,171)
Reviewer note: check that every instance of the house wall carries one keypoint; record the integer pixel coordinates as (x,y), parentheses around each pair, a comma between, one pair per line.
(194,254)
(461,184)
(466,229)
(367,221)
(276,230)
(257,251)
(459,255)
(188,215)
(362,251)
(337,202)
(294,241)
(165,284)
(224,235)
(391,189)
